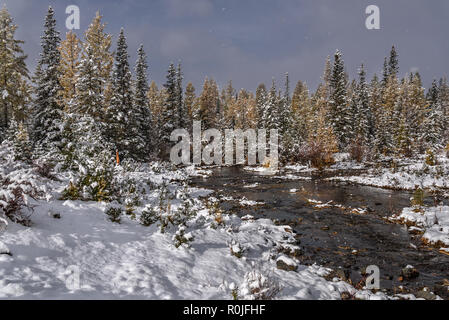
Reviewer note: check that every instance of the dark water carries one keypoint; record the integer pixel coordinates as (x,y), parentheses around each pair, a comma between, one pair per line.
(328,236)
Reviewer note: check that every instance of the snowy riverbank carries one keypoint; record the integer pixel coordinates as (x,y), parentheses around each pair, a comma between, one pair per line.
(431,222)
(73,251)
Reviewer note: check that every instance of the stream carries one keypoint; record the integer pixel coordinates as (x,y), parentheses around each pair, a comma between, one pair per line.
(329,236)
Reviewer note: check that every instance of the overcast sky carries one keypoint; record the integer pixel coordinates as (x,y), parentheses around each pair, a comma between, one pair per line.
(251,41)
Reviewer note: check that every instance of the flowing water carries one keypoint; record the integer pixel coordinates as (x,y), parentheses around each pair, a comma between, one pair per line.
(329,236)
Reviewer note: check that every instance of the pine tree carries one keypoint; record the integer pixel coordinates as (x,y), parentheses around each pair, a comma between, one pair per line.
(47,118)
(401,129)
(261,99)
(89,98)
(228,100)
(284,109)
(386,122)
(338,103)
(14,90)
(155,101)
(326,78)
(270,113)
(169,114)
(393,63)
(142,112)
(181,112)
(364,120)
(415,111)
(385,73)
(21,141)
(443,88)
(302,113)
(433,125)
(120,127)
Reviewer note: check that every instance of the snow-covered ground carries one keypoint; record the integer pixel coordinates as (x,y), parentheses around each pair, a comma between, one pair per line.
(72,249)
(432,222)
(404,175)
(83,255)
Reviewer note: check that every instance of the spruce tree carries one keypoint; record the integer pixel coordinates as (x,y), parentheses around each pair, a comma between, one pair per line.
(302,113)
(261,98)
(364,119)
(444,99)
(181,115)
(270,111)
(433,125)
(98,42)
(284,109)
(393,63)
(14,90)
(338,103)
(47,109)
(120,127)
(142,112)
(89,98)
(168,120)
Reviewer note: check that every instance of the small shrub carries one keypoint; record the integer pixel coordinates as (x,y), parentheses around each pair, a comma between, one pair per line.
(130,208)
(149,216)
(12,206)
(357,151)
(70,193)
(45,169)
(234,292)
(114,211)
(257,286)
(181,238)
(316,154)
(236,249)
(417,199)
(430,158)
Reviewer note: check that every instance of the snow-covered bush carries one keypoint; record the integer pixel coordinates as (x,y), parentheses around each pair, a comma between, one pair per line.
(71,192)
(430,158)
(18,183)
(236,249)
(114,211)
(257,286)
(3,221)
(185,210)
(149,216)
(181,238)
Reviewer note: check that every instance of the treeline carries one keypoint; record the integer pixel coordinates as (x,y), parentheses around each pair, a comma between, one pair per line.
(84,102)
